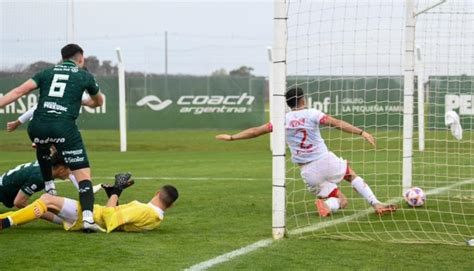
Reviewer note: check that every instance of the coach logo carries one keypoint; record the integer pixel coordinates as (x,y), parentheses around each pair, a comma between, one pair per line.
(154,103)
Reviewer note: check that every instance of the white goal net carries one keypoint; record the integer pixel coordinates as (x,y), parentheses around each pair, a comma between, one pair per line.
(353,59)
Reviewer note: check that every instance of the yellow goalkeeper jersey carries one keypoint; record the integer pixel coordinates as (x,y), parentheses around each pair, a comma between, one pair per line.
(133,216)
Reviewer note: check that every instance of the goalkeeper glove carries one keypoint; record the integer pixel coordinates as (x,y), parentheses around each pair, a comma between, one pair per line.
(122,181)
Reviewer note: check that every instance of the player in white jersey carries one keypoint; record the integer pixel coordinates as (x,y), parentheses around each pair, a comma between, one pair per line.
(320,169)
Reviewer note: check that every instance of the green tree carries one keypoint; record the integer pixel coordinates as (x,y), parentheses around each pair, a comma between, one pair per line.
(38,66)
(220,72)
(242,71)
(92,63)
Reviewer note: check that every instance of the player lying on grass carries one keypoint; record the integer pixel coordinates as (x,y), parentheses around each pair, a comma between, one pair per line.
(60,91)
(19,184)
(308,150)
(134,216)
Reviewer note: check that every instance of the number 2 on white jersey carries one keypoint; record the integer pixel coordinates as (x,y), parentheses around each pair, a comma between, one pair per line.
(57,87)
(303,140)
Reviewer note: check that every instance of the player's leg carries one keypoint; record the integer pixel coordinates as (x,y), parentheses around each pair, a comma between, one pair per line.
(51,217)
(314,181)
(330,199)
(44,160)
(33,211)
(5,215)
(75,156)
(366,192)
(38,135)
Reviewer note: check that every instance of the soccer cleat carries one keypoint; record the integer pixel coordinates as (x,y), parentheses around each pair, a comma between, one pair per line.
(96,188)
(89,227)
(323,208)
(384,209)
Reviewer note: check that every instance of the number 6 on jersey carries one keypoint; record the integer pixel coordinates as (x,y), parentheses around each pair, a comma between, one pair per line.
(57,88)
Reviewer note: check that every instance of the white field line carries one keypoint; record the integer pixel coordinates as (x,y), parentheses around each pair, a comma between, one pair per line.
(267,242)
(228,256)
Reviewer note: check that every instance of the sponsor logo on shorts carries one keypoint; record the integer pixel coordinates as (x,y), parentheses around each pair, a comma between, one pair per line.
(73,152)
(70,160)
(49,140)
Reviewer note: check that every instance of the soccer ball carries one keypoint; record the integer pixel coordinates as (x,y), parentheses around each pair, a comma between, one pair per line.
(415,197)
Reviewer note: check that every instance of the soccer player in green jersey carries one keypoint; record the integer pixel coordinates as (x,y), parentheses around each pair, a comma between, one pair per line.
(17,185)
(61,88)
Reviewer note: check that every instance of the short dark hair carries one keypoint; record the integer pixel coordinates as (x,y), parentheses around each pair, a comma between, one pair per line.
(168,195)
(293,96)
(57,160)
(71,50)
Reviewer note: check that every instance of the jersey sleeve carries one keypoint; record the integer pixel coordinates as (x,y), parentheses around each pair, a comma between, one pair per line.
(92,87)
(30,188)
(28,115)
(38,78)
(317,117)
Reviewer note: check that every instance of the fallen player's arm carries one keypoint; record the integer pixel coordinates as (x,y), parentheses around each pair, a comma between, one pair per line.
(21,200)
(246,134)
(17,92)
(349,128)
(27,116)
(113,200)
(94,100)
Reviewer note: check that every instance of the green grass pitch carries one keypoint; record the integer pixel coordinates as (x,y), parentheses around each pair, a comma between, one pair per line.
(225,204)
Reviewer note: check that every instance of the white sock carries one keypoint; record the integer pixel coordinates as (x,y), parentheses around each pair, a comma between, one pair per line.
(333,204)
(87,216)
(364,190)
(74,180)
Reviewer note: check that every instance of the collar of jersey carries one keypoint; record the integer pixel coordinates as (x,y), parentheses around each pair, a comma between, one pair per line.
(158,210)
(69,62)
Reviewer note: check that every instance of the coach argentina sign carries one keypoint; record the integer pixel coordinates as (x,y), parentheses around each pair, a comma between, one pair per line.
(201,111)
(203,104)
(194,102)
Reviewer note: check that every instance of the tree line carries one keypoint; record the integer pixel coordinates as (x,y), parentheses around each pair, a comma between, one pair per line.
(106,67)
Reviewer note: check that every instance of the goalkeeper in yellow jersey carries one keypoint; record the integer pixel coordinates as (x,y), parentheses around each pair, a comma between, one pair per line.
(134,216)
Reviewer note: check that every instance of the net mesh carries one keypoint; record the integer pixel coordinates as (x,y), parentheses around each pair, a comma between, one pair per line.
(348,56)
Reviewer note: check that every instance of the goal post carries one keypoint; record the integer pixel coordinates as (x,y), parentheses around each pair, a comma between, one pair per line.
(278,118)
(408,101)
(122,102)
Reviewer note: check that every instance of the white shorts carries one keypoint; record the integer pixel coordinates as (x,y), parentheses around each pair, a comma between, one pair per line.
(330,169)
(69,213)
(325,189)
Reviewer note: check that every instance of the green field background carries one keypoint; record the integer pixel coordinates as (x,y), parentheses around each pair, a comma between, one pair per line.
(225,204)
